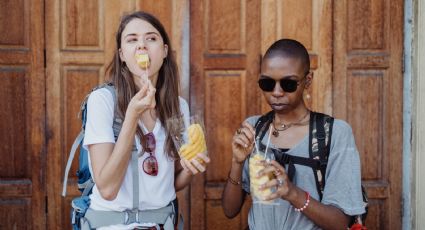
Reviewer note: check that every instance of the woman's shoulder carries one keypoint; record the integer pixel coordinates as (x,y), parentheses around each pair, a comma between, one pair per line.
(341,130)
(100,96)
(252,119)
(341,125)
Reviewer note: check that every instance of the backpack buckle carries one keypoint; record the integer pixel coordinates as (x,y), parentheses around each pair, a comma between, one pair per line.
(323,162)
(284,158)
(131,216)
(320,136)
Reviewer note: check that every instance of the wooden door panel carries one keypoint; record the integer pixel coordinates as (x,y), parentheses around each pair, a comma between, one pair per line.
(75,64)
(368,94)
(225,48)
(22,184)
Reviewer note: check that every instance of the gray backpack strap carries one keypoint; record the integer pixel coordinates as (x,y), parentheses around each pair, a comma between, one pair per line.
(180,226)
(75,145)
(163,216)
(111,89)
(85,225)
(88,185)
(135,172)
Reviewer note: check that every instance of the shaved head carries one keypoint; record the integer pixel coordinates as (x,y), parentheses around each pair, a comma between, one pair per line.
(289,48)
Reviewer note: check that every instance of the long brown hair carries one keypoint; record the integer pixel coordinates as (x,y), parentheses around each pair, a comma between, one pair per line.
(167,86)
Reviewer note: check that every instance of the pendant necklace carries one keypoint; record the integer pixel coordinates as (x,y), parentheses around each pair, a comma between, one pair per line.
(284,127)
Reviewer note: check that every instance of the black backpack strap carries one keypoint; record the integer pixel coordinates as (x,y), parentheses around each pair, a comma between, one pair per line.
(262,123)
(320,133)
(284,158)
(261,128)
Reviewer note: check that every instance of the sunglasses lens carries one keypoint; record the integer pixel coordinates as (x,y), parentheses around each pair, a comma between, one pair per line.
(266,84)
(150,166)
(288,85)
(150,143)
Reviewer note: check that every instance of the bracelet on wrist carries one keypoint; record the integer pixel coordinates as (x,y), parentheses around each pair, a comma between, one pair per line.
(307,202)
(232,181)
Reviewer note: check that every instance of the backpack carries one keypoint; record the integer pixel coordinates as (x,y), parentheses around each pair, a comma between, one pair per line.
(85,181)
(320,133)
(82,217)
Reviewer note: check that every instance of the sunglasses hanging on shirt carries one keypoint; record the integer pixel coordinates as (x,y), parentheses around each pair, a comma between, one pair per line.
(150,164)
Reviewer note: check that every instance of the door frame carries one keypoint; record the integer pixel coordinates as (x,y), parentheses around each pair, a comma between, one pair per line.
(417,185)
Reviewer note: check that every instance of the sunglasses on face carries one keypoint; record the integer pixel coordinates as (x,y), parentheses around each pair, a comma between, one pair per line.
(288,85)
(150,164)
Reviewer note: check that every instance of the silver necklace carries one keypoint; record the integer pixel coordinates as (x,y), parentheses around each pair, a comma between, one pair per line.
(284,127)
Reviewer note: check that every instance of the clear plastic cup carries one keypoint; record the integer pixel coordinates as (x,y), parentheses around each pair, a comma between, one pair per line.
(258,196)
(188,136)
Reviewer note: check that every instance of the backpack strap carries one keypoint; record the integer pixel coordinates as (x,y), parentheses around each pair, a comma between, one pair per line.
(261,125)
(74,147)
(78,140)
(165,216)
(320,133)
(135,172)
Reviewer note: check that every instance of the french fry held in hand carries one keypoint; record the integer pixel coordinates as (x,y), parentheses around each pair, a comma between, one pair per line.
(196,142)
(142,60)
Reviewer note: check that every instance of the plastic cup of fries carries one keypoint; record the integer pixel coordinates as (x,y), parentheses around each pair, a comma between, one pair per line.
(188,136)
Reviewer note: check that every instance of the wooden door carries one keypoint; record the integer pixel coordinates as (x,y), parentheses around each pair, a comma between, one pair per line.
(225,57)
(22,115)
(80,41)
(368,93)
(355,48)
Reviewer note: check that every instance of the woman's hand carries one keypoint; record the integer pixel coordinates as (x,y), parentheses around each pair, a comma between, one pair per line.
(284,187)
(243,142)
(196,165)
(144,99)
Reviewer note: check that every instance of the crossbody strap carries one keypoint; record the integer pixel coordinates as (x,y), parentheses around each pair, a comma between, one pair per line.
(320,134)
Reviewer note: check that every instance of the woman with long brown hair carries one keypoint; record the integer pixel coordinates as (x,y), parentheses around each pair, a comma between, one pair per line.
(147,96)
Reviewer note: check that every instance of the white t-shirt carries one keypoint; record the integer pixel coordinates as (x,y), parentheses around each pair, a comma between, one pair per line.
(154,191)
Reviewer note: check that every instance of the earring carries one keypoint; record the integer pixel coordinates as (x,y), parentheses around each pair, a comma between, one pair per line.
(307,96)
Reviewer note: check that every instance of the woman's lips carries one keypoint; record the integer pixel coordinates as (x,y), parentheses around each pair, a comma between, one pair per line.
(278,106)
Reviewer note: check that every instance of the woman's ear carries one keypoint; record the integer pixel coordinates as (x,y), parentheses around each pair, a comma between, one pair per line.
(308,79)
(121,55)
(165,50)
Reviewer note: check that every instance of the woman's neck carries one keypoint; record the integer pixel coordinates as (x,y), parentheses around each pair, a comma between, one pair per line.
(293,116)
(153,79)
(148,118)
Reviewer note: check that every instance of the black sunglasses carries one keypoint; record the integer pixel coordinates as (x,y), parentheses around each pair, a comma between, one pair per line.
(288,85)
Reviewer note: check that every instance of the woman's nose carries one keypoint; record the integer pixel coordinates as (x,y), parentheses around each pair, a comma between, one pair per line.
(278,91)
(141,45)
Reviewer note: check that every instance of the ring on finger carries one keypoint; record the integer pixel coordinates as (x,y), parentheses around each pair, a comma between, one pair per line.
(277,172)
(280,182)
(239,131)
